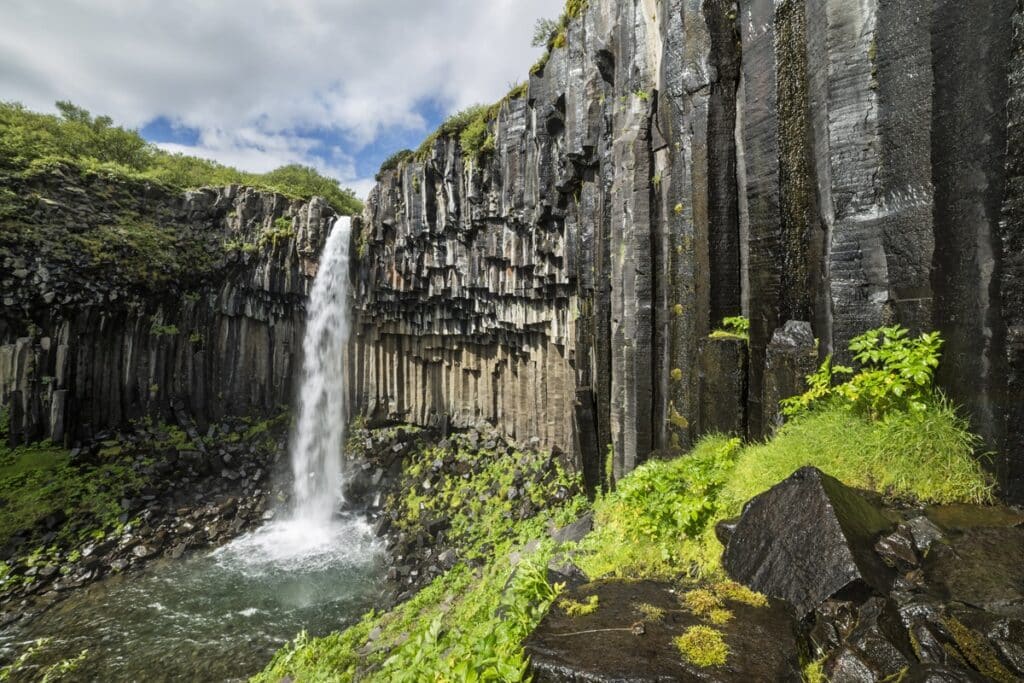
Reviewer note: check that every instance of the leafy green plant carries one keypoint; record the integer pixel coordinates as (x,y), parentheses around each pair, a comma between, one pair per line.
(641,528)
(896,374)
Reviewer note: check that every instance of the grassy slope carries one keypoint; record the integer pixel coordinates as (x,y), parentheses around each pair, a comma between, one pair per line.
(657,524)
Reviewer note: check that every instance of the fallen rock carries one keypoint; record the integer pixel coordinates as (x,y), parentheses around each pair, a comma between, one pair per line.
(806,539)
(574,533)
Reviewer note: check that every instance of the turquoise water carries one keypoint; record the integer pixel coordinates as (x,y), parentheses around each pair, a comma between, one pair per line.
(216,616)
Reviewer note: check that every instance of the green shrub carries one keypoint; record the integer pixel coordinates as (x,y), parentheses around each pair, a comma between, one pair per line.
(896,374)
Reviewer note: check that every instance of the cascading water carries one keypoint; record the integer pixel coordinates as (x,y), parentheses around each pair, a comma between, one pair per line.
(317,442)
(221,615)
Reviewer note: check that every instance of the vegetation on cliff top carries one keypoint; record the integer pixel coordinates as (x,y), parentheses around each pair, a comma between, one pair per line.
(30,140)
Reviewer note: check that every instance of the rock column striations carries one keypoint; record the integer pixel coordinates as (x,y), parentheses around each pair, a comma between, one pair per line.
(100,327)
(824,165)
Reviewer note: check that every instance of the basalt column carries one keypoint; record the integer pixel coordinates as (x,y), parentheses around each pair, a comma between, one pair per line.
(971,47)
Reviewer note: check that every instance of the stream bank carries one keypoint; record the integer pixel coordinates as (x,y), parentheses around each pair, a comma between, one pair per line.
(184,492)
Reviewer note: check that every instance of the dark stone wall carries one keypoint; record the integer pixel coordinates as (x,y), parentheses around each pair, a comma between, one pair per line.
(81,353)
(834,164)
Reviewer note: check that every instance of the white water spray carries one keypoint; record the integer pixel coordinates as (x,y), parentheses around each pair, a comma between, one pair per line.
(319,437)
(313,537)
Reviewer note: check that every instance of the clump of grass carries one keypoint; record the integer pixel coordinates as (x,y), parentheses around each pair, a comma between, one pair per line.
(735,327)
(650,612)
(703,646)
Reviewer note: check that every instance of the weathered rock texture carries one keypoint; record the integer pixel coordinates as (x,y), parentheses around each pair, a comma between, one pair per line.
(843,164)
(95,332)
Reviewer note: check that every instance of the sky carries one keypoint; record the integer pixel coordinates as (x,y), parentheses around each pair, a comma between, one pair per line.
(256,84)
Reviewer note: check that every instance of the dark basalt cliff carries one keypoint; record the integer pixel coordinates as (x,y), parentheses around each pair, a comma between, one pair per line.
(823,167)
(123,300)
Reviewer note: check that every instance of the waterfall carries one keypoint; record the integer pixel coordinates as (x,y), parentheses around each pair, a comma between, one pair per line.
(319,437)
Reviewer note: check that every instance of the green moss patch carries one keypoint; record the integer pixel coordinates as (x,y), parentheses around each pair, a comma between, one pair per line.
(579,608)
(703,646)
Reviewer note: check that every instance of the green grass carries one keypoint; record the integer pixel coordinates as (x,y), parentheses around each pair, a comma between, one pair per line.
(926,457)
(39,480)
(471,126)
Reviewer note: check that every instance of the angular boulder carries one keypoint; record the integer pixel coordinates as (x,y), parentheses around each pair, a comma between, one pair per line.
(808,538)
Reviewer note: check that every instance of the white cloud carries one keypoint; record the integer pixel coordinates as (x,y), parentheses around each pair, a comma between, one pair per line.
(249,73)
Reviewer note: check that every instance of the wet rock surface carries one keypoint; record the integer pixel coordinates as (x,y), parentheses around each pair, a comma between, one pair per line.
(931,594)
(806,539)
(620,641)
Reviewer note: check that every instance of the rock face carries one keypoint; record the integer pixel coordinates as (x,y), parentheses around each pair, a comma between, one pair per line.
(123,300)
(842,164)
(934,594)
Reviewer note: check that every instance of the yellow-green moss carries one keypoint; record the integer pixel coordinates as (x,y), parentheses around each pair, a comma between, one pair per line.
(814,671)
(977,651)
(737,592)
(576,608)
(650,612)
(719,617)
(703,646)
(701,601)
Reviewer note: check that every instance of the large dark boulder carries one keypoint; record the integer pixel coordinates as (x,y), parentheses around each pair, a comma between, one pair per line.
(808,538)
